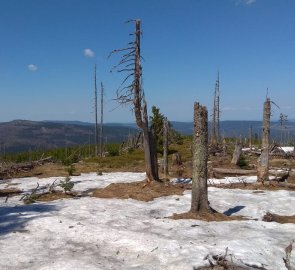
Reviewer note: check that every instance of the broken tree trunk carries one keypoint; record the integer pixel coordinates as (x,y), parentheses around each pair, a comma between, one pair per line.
(200,201)
(263,162)
(237,153)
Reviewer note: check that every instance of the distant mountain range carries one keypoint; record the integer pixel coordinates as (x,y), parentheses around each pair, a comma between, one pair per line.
(242,128)
(23,135)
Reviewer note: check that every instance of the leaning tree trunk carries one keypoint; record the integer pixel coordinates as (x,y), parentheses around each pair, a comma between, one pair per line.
(263,162)
(200,201)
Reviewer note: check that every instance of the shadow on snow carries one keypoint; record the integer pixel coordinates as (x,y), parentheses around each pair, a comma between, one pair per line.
(233,210)
(14,218)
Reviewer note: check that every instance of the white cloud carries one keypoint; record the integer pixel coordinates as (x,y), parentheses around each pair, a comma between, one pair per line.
(245,2)
(32,67)
(89,53)
(250,2)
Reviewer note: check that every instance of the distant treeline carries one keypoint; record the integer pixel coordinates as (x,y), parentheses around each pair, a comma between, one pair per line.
(66,155)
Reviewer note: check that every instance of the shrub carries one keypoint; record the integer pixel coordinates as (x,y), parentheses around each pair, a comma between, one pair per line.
(67,185)
(71,169)
(243,163)
(113,149)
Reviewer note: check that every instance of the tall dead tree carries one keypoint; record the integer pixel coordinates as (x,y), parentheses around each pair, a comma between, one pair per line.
(133,93)
(250,137)
(165,147)
(95,112)
(216,114)
(101,121)
(200,201)
(263,162)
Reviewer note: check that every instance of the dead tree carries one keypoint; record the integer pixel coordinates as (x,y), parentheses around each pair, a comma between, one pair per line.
(133,93)
(95,112)
(216,114)
(237,153)
(165,147)
(250,137)
(200,201)
(263,162)
(101,121)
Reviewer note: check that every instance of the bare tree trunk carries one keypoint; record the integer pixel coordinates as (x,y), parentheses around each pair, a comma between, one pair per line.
(135,94)
(224,147)
(95,111)
(101,121)
(263,162)
(250,137)
(199,201)
(165,148)
(216,114)
(237,153)
(140,111)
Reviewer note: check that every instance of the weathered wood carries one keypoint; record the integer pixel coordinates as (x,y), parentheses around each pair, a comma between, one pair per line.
(237,153)
(101,121)
(176,159)
(165,148)
(95,112)
(263,161)
(199,202)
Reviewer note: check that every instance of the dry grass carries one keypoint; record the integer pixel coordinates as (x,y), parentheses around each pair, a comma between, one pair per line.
(272,185)
(138,190)
(47,197)
(206,216)
(9,192)
(269,217)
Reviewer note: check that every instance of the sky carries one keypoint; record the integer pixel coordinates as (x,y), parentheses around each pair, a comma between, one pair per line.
(48,50)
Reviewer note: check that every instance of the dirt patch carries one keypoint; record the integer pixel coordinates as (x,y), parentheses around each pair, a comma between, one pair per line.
(206,216)
(47,197)
(9,192)
(138,190)
(269,217)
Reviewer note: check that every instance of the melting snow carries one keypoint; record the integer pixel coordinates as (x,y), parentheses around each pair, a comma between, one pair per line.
(91,233)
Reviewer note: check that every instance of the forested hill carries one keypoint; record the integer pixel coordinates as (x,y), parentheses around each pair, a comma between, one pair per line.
(22,135)
(241,128)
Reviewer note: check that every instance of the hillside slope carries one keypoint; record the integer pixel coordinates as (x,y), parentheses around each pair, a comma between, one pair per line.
(22,135)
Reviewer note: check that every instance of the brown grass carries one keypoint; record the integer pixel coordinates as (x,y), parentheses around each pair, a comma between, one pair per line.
(272,186)
(269,217)
(138,190)
(206,216)
(47,197)
(9,192)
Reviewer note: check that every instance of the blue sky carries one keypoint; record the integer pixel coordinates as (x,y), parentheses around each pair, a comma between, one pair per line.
(45,72)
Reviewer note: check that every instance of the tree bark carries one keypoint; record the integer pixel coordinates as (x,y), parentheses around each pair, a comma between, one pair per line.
(140,110)
(101,121)
(165,148)
(95,111)
(263,162)
(200,201)
(237,153)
